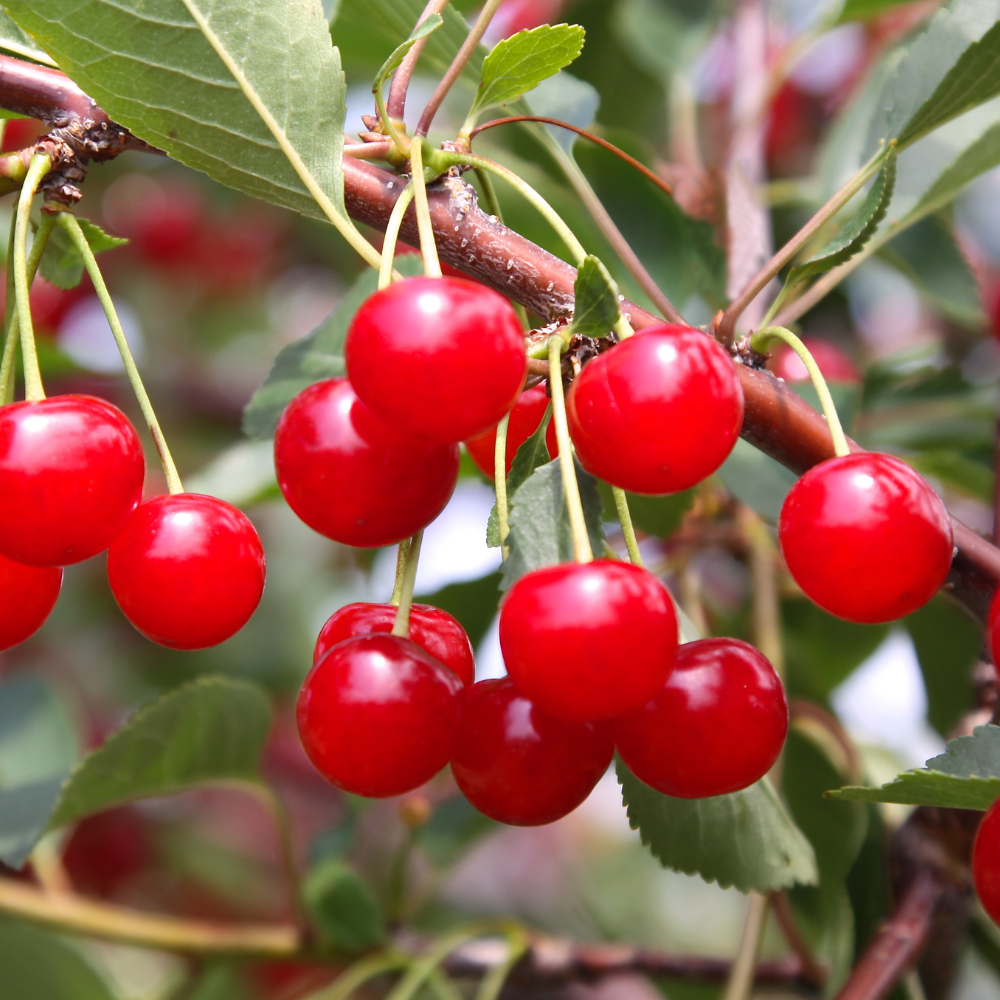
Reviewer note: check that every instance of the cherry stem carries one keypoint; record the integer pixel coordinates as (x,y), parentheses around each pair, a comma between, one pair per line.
(457,65)
(41,163)
(448,158)
(68,222)
(10,342)
(574,505)
(500,484)
(396,102)
(428,248)
(401,626)
(493,982)
(385,272)
(386,122)
(360,972)
(741,976)
(759,342)
(281,818)
(628,531)
(397,586)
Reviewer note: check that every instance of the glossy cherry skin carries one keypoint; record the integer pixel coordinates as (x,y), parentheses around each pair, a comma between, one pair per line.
(432,629)
(524,420)
(589,641)
(442,357)
(865,537)
(71,471)
(716,726)
(993,626)
(27,596)
(378,715)
(658,412)
(520,766)
(187,571)
(986,862)
(352,477)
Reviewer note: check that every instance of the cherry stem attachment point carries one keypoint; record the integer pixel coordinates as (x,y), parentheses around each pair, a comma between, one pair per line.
(38,245)
(41,163)
(500,483)
(401,626)
(385,272)
(428,248)
(628,531)
(571,488)
(759,342)
(68,222)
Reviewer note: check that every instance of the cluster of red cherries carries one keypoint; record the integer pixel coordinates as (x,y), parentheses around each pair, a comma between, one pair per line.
(187,570)
(590,648)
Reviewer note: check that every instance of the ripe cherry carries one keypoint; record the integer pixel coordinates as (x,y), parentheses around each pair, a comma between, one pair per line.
(71,471)
(993,626)
(187,571)
(588,641)
(442,357)
(716,726)
(352,477)
(986,862)
(520,766)
(432,629)
(27,596)
(378,715)
(524,420)
(865,537)
(834,363)
(658,412)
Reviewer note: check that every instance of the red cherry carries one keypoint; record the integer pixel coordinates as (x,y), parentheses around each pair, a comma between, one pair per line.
(993,626)
(524,420)
(986,862)
(834,364)
(520,766)
(378,714)
(71,471)
(187,571)
(865,537)
(352,477)
(588,641)
(432,629)
(440,356)
(716,726)
(27,596)
(658,412)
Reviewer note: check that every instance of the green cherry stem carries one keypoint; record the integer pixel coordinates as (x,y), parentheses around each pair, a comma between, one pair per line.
(428,249)
(493,982)
(360,972)
(628,531)
(40,165)
(38,245)
(392,235)
(72,227)
(759,342)
(574,505)
(401,626)
(397,586)
(500,484)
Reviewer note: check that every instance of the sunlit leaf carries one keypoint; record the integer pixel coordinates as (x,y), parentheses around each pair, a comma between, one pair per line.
(595,299)
(13,39)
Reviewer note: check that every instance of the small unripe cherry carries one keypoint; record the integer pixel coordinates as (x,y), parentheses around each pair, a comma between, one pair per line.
(432,629)
(520,766)
(716,726)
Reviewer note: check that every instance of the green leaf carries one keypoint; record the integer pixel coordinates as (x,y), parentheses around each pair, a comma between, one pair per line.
(567,99)
(532,454)
(965,776)
(539,524)
(472,602)
(595,299)
(948,642)
(863,10)
(966,474)
(252,95)
(342,907)
(318,355)
(757,480)
(653,515)
(35,965)
(38,748)
(746,839)
(61,262)
(212,729)
(220,981)
(13,39)
(240,475)
(523,61)
(858,231)
(425,28)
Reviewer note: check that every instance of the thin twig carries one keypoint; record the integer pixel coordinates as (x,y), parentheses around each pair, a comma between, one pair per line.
(740,982)
(457,65)
(395,105)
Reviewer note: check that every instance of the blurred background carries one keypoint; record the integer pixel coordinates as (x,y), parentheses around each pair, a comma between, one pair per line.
(212,285)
